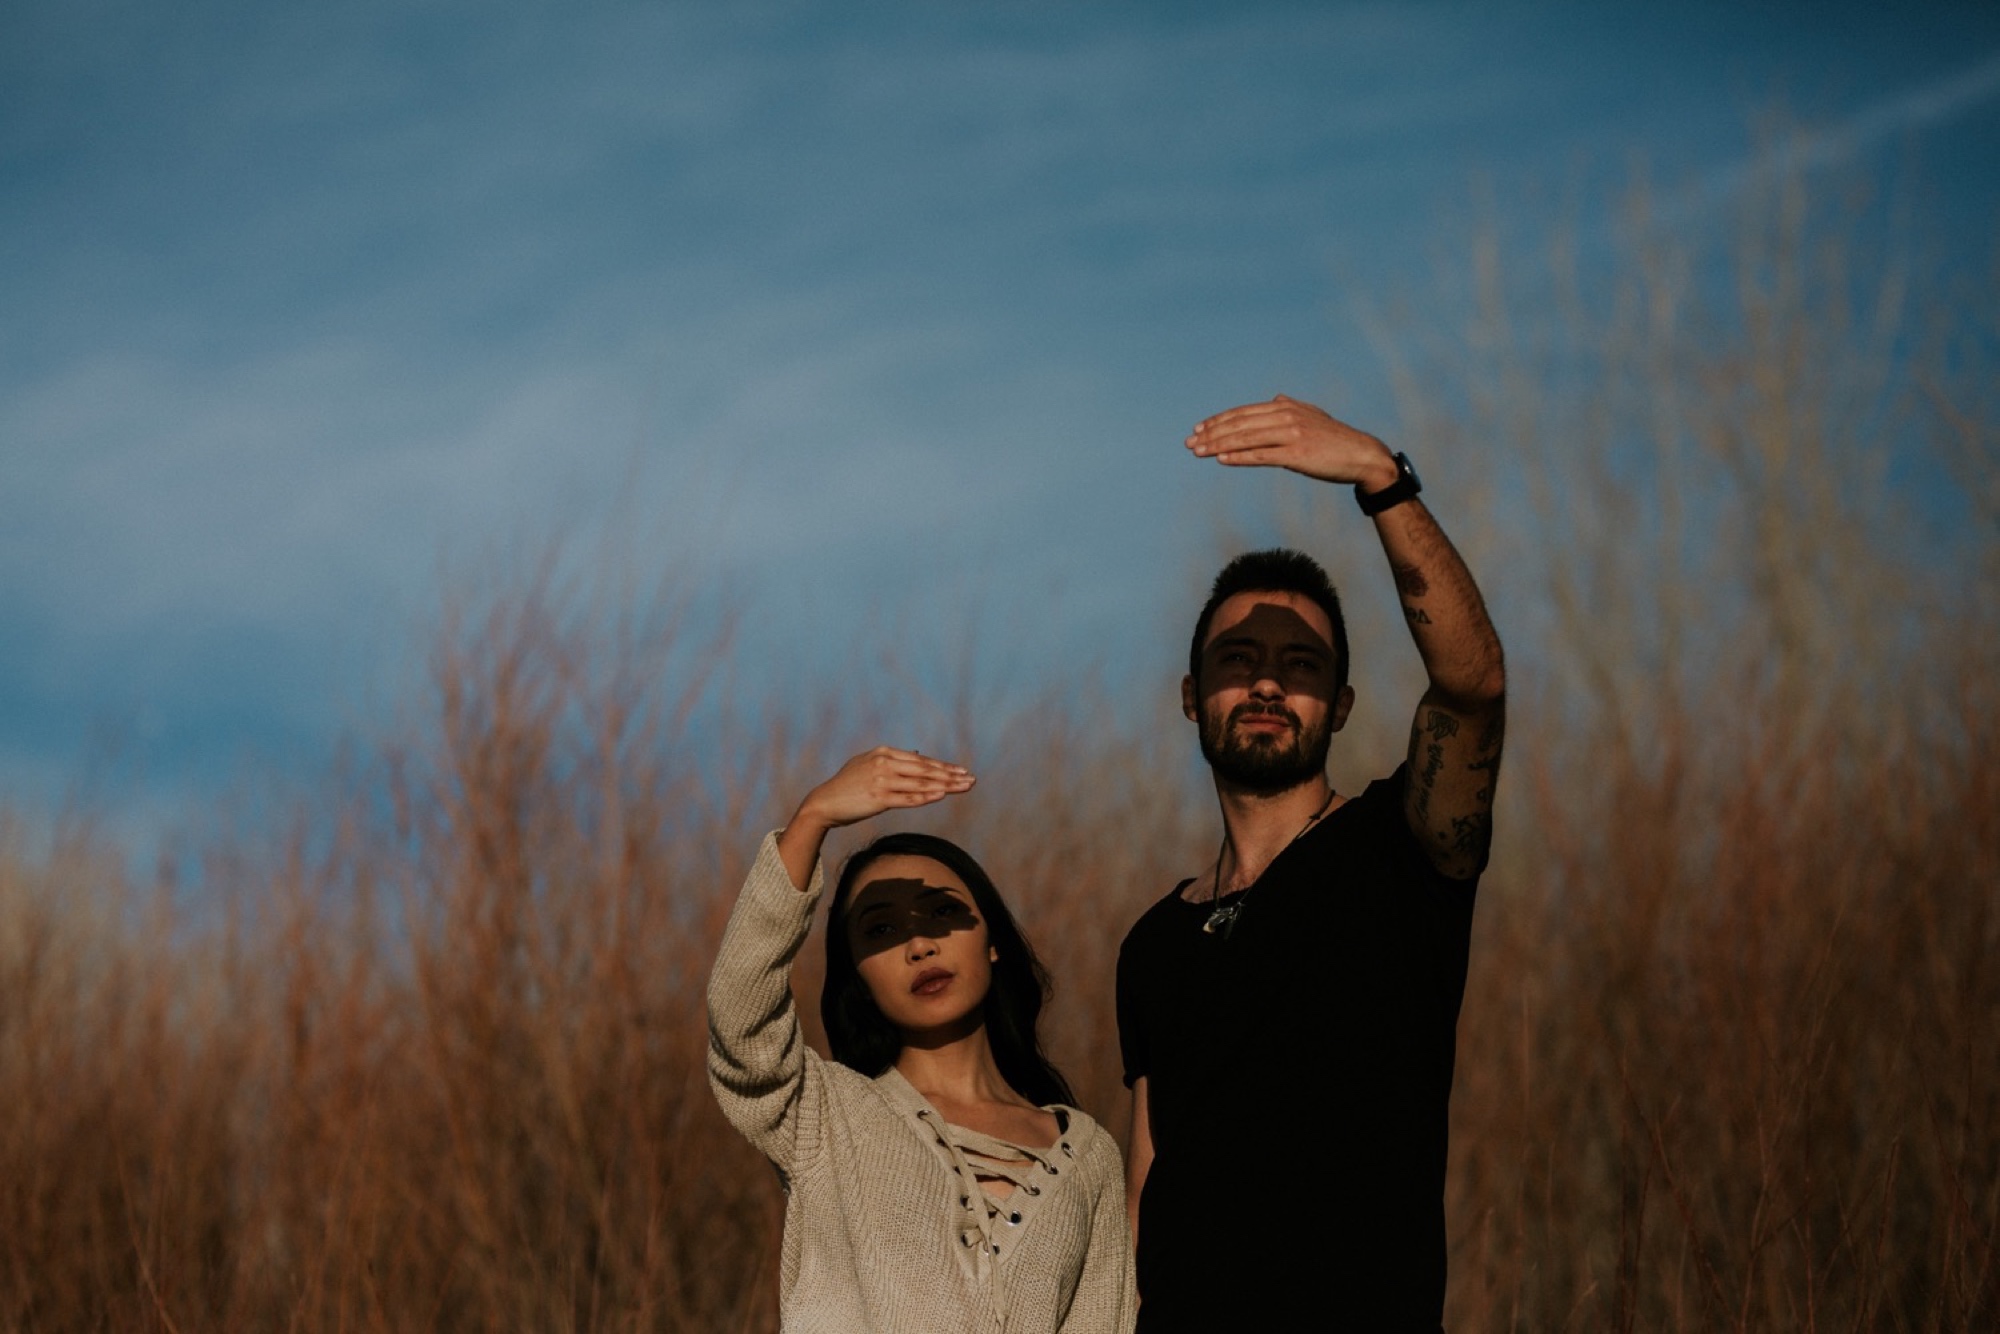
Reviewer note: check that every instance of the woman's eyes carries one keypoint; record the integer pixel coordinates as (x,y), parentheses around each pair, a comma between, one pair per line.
(945,910)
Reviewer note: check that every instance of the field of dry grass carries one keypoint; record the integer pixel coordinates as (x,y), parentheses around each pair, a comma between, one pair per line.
(1728,1056)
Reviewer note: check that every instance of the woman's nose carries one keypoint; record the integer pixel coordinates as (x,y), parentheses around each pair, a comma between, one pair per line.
(920,947)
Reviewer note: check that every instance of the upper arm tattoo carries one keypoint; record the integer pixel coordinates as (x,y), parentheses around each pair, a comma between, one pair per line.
(1487,758)
(1437,725)
(1456,833)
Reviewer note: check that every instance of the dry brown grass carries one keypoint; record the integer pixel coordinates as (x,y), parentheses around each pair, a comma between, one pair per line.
(1728,1053)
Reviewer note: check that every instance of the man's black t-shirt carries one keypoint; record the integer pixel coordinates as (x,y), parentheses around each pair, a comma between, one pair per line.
(1298,1076)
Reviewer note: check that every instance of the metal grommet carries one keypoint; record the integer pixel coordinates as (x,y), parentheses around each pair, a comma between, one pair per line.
(1015,1218)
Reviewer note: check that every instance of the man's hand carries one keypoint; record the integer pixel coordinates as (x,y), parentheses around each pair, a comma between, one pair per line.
(878,780)
(1286,433)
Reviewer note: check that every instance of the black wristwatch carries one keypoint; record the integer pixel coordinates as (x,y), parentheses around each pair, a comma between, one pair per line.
(1398,491)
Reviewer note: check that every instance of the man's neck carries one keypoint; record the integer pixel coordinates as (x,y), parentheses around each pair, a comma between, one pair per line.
(1258,826)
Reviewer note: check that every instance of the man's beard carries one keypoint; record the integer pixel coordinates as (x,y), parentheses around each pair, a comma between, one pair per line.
(1265,764)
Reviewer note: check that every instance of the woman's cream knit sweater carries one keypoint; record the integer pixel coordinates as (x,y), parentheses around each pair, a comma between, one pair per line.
(886,1231)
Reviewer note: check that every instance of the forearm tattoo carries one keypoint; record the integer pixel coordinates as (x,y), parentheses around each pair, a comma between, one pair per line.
(1412,585)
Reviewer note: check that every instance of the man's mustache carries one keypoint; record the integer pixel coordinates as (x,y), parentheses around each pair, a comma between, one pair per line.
(1253,709)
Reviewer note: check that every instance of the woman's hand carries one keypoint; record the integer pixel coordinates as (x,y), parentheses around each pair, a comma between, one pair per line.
(878,780)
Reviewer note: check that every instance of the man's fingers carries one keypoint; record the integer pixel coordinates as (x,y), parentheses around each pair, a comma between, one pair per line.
(1248,434)
(1250,416)
(1261,456)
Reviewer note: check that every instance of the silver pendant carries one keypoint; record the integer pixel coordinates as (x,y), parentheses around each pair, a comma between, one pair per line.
(1221,921)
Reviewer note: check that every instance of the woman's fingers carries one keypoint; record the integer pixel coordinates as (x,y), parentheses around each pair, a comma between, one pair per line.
(910,764)
(917,780)
(888,777)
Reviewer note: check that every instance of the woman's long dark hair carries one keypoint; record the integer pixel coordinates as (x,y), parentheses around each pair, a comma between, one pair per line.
(862,1039)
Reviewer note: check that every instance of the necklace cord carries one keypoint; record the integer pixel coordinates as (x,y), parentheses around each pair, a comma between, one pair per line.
(1222,920)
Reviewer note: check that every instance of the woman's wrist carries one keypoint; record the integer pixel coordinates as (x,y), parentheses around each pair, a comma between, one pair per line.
(799,842)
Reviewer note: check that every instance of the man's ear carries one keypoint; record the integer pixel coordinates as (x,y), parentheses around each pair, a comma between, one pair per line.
(1187,700)
(1341,707)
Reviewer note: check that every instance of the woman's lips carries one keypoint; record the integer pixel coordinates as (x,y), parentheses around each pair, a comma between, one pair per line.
(930,982)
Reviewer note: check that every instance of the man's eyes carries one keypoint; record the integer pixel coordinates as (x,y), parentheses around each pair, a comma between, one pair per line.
(1294,662)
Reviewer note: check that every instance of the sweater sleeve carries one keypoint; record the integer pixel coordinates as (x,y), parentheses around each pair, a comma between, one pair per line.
(758,1062)
(1107,1299)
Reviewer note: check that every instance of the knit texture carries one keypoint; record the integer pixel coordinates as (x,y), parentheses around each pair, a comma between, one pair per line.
(885,1229)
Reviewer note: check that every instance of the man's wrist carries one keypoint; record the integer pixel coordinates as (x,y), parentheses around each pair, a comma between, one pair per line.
(1393,490)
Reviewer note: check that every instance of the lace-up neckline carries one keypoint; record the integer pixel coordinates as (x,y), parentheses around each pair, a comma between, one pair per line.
(989,1224)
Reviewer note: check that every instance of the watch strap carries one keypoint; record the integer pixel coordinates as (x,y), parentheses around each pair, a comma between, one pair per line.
(1405,486)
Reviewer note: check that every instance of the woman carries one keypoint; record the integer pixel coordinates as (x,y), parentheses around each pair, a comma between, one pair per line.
(938,1179)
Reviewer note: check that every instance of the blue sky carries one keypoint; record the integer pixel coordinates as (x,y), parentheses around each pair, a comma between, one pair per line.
(849,306)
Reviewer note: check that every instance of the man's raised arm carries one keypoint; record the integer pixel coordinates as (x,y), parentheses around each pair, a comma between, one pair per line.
(1456,737)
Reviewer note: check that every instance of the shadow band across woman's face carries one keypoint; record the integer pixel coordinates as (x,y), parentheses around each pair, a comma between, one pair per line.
(887,914)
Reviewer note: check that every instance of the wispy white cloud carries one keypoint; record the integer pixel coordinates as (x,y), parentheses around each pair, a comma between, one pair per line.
(1934,103)
(1804,146)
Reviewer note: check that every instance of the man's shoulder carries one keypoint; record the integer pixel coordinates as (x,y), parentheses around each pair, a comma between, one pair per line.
(1386,792)
(1375,835)
(1377,808)
(1159,917)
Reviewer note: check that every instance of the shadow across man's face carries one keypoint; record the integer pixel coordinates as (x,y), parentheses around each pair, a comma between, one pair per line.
(1271,642)
(888,913)
(1269,697)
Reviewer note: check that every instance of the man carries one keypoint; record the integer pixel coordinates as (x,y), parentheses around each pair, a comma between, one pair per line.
(1288,1015)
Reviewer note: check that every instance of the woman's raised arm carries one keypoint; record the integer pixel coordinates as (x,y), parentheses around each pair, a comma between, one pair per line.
(757,1057)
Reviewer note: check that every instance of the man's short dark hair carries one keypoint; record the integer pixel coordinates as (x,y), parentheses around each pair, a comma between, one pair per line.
(1278,570)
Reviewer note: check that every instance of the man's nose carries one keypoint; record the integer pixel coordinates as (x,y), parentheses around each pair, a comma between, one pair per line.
(1266,684)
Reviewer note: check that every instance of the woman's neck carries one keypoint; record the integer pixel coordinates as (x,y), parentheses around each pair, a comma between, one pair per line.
(959,1070)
